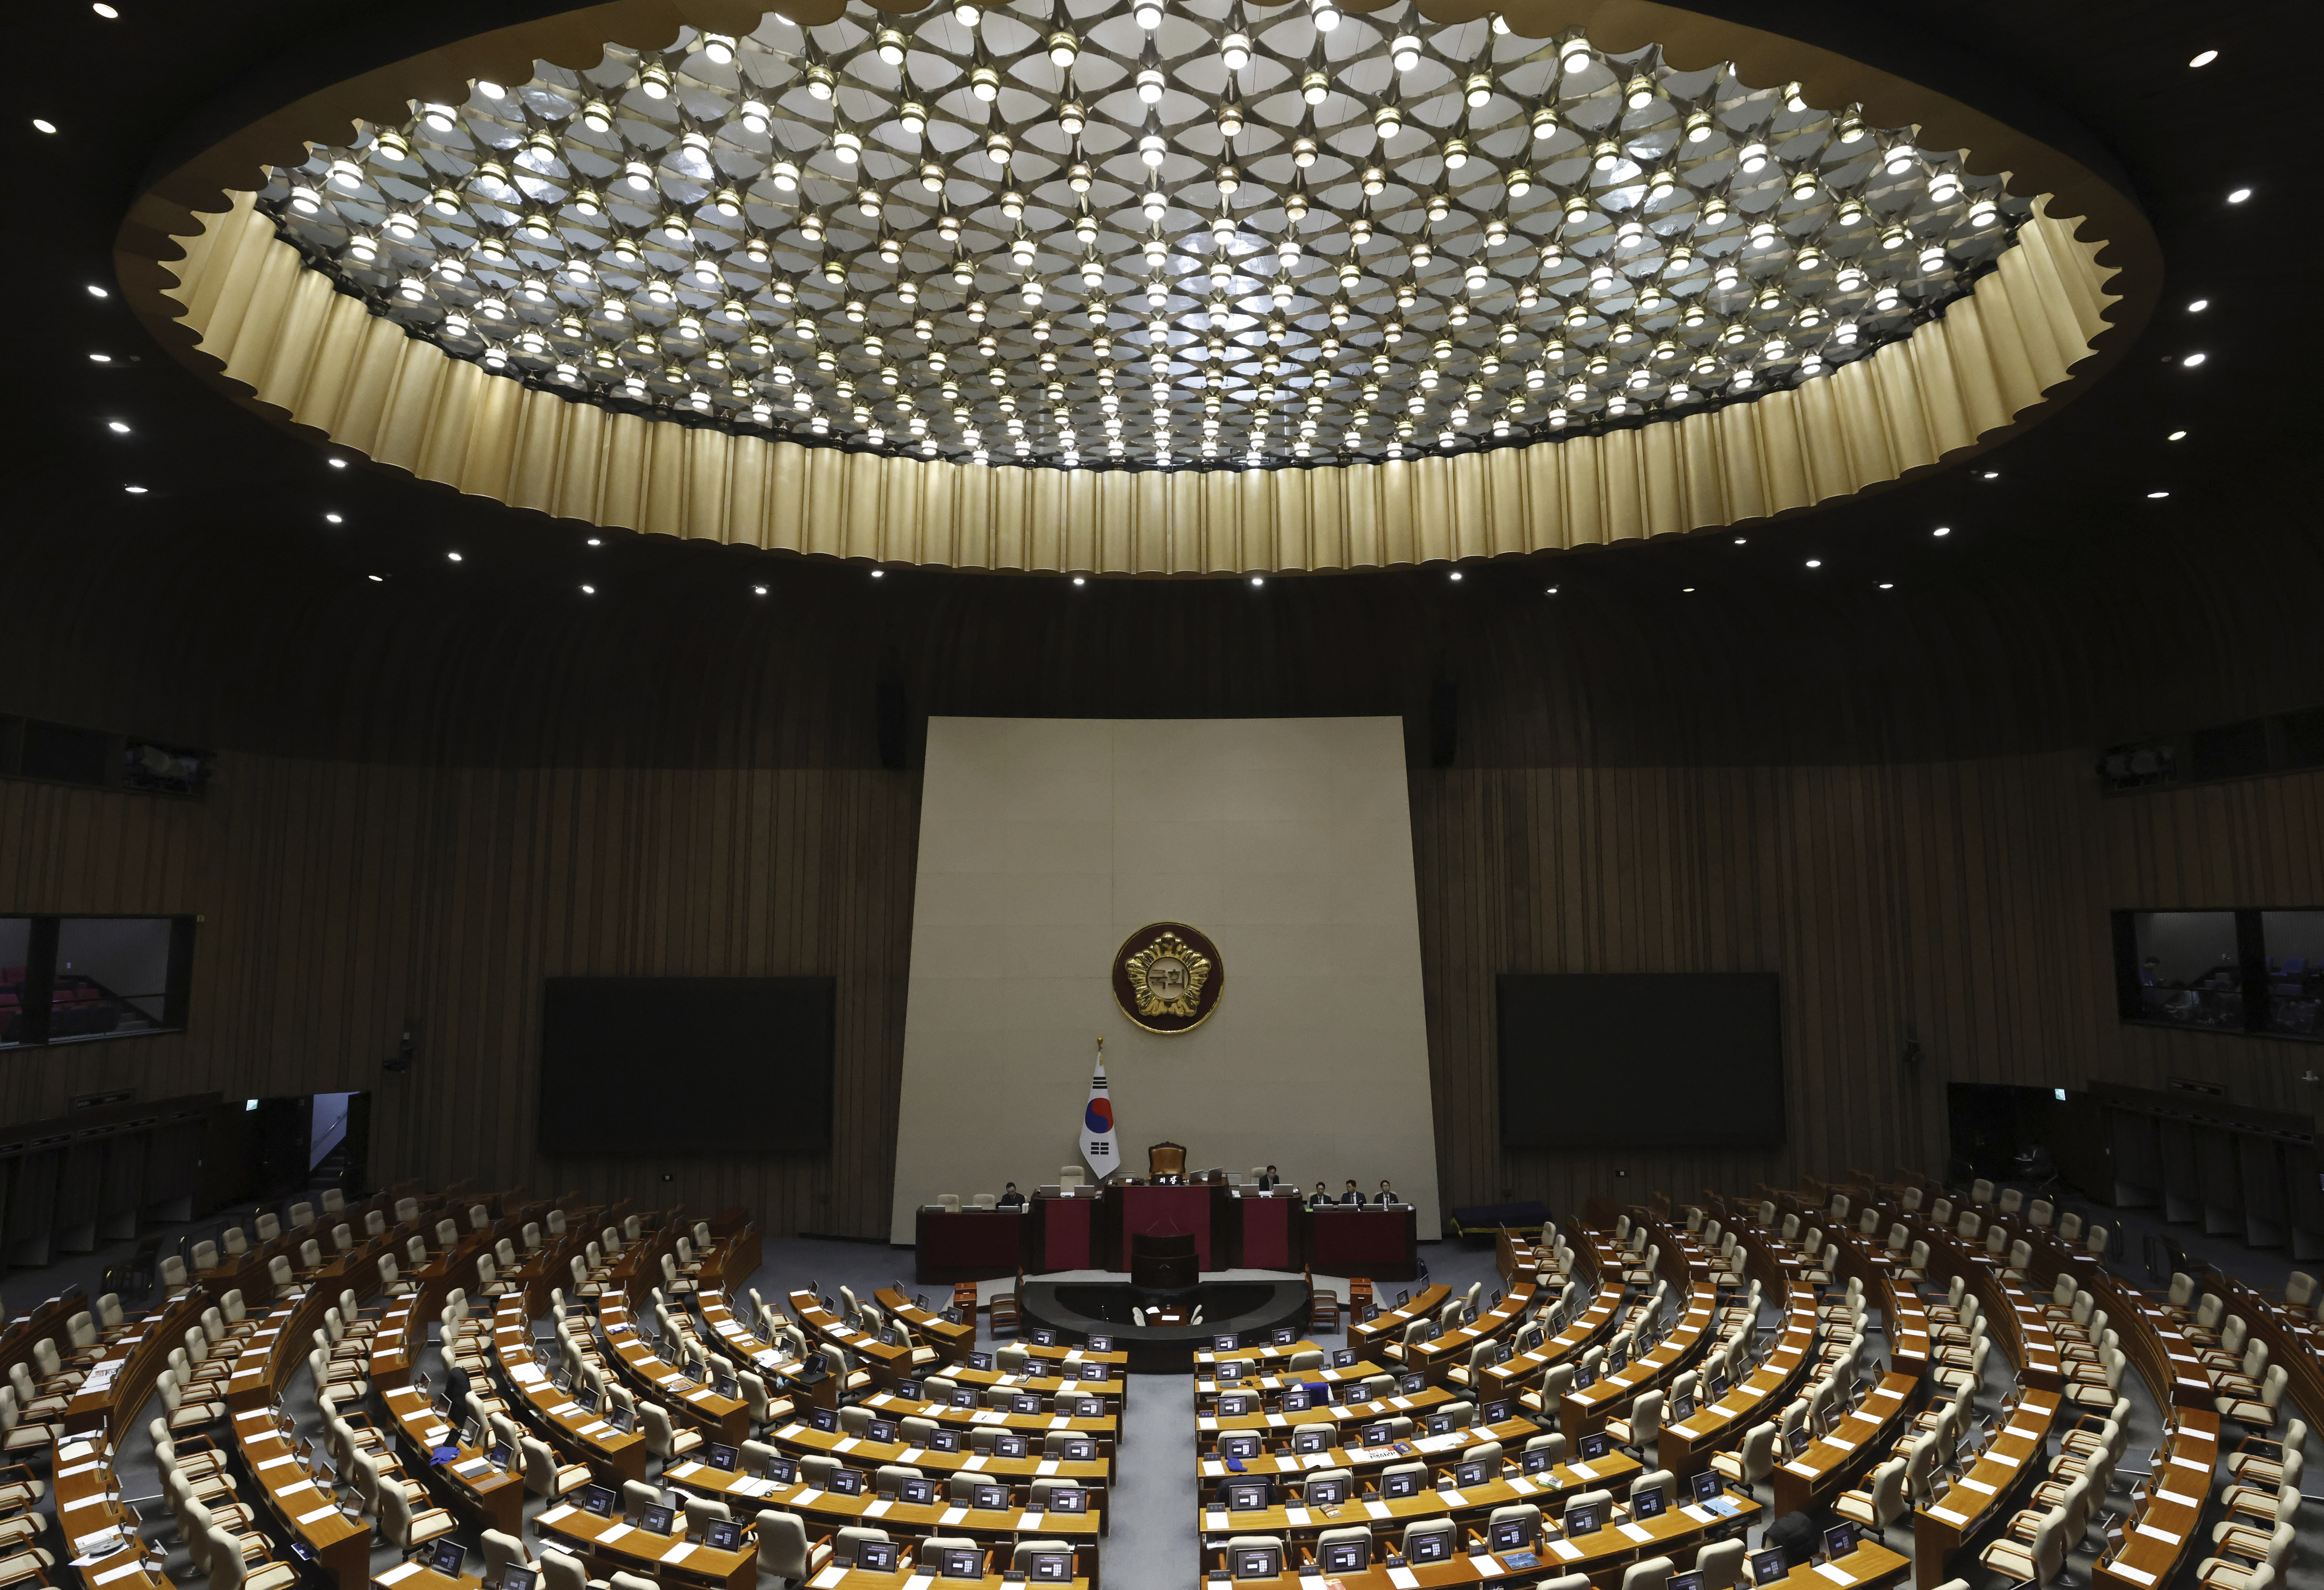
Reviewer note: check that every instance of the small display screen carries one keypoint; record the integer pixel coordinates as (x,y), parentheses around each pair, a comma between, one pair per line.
(1285,1336)
(944,1441)
(823,1418)
(1045,1337)
(1093,1372)
(1474,1472)
(1346,1556)
(960,1563)
(1068,1499)
(1512,1534)
(1584,1519)
(447,1557)
(1648,1503)
(1534,1463)
(1101,1344)
(1258,1562)
(1398,1485)
(1326,1492)
(1050,1567)
(1768,1566)
(1595,1445)
(878,1555)
(1007,1444)
(1343,1358)
(1223,1342)
(722,1457)
(725,1535)
(1436,1546)
(990,1498)
(882,1430)
(1311,1438)
(918,1492)
(597,1501)
(1706,1484)
(656,1520)
(1025,1402)
(1839,1540)
(847,1482)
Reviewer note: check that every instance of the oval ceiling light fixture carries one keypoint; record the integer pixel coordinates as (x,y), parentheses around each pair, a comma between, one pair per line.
(1185,238)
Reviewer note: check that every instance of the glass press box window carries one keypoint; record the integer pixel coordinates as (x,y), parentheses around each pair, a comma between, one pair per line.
(2293,945)
(73,979)
(2189,972)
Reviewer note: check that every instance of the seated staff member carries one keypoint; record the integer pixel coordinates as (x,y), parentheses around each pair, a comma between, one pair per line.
(1386,1193)
(1011,1198)
(1321,1198)
(1353,1195)
(1272,1178)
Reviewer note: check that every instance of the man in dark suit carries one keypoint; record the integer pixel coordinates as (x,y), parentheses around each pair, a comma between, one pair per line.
(1271,1179)
(1011,1198)
(1353,1195)
(1386,1193)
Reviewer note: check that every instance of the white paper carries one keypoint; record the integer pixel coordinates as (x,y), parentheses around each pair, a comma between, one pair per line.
(1567,1551)
(123,1572)
(1838,1576)
(555,1515)
(680,1552)
(1403,1579)
(1633,1532)
(320,1512)
(829,1577)
(396,1576)
(612,1531)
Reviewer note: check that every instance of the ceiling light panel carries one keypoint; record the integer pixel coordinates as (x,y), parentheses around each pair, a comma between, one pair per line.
(1059,237)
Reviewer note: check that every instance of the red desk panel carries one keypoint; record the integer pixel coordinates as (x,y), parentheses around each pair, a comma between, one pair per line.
(1266,1233)
(1376,1243)
(983,1247)
(1146,1209)
(1065,1233)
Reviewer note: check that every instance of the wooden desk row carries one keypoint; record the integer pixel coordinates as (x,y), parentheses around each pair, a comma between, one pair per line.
(1871,1567)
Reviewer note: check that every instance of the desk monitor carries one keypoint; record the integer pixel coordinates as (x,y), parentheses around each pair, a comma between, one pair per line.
(1375,1435)
(724,1535)
(979,1361)
(1839,1540)
(964,1396)
(1705,1486)
(1412,1382)
(722,1457)
(1043,1336)
(1435,1545)
(1618,1358)
(911,1391)
(1396,1486)
(783,1471)
(989,1497)
(1024,1403)
(876,1557)
(1242,1447)
(1690,1580)
(513,1578)
(471,1430)
(943,1441)
(956,1562)
(501,1456)
(1512,1534)
(1801,1437)
(1093,1372)
(447,1557)
(1346,1557)
(1295,1399)
(1223,1342)
(1403,1297)
(1682,1406)
(1311,1437)
(917,1492)
(1331,1492)
(623,1420)
(1535,1463)
(1474,1471)
(1008,1443)
(1769,1568)
(1250,1495)
(1584,1517)
(562,1380)
(1440,1424)
(1585,1375)
(1595,1445)
(656,1520)
(826,1420)
(1101,1344)
(597,1501)
(1050,1567)
(1234,1404)
(1081,1406)
(882,1430)
(1258,1562)
(1532,1336)
(1648,1503)
(1717,1382)
(1285,1336)
(1496,1412)
(1498,1295)
(1068,1499)
(847,1482)
(1079,1449)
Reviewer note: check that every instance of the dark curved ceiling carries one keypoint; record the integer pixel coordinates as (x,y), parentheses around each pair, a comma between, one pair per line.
(2065,606)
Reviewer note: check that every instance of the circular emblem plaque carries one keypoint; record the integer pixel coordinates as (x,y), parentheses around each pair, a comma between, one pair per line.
(1168,977)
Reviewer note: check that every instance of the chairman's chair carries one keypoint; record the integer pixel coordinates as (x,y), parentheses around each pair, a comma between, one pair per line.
(1166,1159)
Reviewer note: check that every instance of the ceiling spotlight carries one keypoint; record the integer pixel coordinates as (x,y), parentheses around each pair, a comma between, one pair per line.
(1550,592)
(1256,580)
(336,463)
(2176,436)
(105,11)
(2156,497)
(759,590)
(117,427)
(455,557)
(1815,563)
(588,590)
(1942,530)
(2192,360)
(879,573)
(1888,585)
(596,543)
(100,358)
(96,291)
(2205,57)
(1456,574)
(1079,580)
(376,578)
(42,125)
(134,490)
(2238,195)
(1993,475)
(1741,541)
(2199,306)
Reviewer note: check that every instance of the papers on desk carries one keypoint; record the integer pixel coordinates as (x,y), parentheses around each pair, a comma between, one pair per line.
(613,1532)
(1633,1532)
(1524,1484)
(79,1503)
(1403,1579)
(847,1443)
(752,1485)
(319,1513)
(2152,1534)
(953,1515)
(1835,1573)
(555,1515)
(919,1582)
(79,1468)
(976,1462)
(396,1576)
(1979,1486)
(2200,1468)
(1567,1551)
(1584,1470)
(680,1552)
(1047,1465)
(1948,1515)
(828,1578)
(2003,1458)
(874,1508)
(787,1431)
(1205,1423)
(123,1572)
(1379,1509)
(472,1468)
(2134,1574)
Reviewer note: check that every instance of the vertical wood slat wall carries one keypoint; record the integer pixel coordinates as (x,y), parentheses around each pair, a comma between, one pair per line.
(340,899)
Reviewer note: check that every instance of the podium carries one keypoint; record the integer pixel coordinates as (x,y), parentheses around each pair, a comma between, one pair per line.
(1164,1262)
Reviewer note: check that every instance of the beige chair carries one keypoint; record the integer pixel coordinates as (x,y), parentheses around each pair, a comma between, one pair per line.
(1165,1158)
(2037,1560)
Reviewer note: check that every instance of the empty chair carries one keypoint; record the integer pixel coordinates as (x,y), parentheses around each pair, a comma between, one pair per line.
(2011,1200)
(268,1228)
(303,1216)
(1752,1462)
(2037,1560)
(1880,1501)
(1650,1573)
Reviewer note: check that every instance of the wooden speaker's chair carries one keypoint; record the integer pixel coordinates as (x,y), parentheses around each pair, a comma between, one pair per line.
(1166,1159)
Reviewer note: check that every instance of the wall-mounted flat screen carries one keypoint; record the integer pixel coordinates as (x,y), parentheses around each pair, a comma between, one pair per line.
(685,1065)
(1607,1059)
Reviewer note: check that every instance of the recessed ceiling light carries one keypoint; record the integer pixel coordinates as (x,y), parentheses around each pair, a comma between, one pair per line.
(42,124)
(336,463)
(1686,590)
(594,541)
(588,590)
(1256,580)
(1888,585)
(2156,497)
(117,427)
(1079,580)
(377,579)
(333,519)
(1815,563)
(759,590)
(1455,574)
(2199,306)
(105,11)
(2238,195)
(879,573)
(1550,592)
(2176,436)
(2192,360)
(1741,541)
(1993,475)
(96,291)
(134,490)
(455,557)
(1942,530)
(2205,57)
(100,358)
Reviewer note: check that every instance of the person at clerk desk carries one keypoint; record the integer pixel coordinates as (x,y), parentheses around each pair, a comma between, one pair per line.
(1353,1195)
(1272,1178)
(1321,1198)
(1387,1194)
(1011,1198)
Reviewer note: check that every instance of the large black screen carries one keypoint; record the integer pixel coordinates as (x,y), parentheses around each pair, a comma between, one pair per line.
(1648,1060)
(685,1065)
